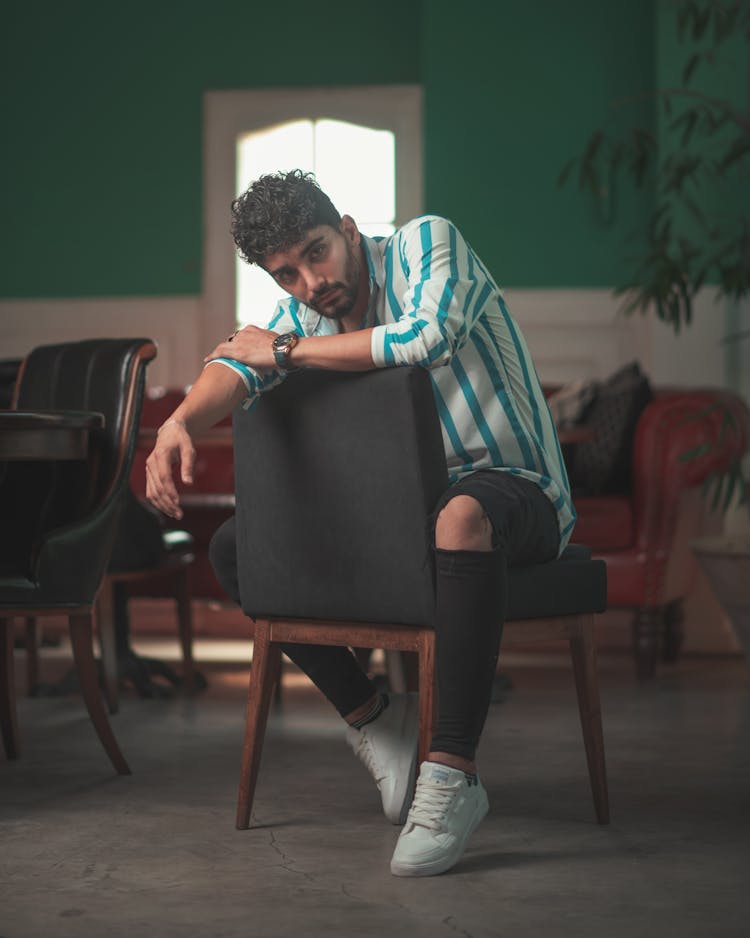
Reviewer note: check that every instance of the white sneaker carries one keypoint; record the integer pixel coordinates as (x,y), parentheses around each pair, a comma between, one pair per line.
(388,747)
(446,810)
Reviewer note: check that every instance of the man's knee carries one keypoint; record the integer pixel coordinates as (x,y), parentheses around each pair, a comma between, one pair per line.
(463,525)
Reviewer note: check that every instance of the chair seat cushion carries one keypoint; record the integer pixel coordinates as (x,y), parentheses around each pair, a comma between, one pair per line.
(574,584)
(15,589)
(18,592)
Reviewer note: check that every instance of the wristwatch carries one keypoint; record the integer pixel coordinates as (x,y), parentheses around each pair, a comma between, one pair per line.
(282,346)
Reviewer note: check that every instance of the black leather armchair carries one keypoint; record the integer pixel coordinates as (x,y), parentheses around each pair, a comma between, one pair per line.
(60,517)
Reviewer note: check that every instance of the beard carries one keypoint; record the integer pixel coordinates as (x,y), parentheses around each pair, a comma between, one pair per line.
(346,291)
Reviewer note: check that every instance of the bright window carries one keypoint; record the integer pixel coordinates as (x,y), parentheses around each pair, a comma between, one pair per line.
(354,165)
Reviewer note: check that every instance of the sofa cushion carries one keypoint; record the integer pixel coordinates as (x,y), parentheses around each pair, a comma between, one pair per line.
(569,403)
(603,465)
(604,523)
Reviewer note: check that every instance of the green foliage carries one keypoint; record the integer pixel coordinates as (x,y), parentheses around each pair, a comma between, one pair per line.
(689,242)
(721,487)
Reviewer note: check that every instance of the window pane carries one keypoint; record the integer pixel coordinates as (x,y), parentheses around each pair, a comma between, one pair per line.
(356,167)
(375,228)
(283,147)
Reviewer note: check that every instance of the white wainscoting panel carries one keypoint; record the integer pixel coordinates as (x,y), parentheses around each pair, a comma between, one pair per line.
(572,334)
(575,334)
(697,356)
(172,322)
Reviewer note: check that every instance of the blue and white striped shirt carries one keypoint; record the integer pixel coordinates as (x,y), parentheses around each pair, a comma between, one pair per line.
(433,303)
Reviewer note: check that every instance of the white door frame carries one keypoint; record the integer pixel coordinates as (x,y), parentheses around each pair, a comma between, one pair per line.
(229,114)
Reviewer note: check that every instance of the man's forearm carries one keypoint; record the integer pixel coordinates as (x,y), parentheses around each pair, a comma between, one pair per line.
(347,351)
(215,394)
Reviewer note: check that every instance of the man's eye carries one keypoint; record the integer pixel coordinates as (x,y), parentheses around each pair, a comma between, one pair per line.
(317,252)
(286,277)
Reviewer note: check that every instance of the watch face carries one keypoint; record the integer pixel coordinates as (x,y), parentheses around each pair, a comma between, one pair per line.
(282,342)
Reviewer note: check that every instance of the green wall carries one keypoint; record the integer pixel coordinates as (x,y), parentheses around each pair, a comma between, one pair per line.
(100,190)
(512,94)
(101,113)
(726,78)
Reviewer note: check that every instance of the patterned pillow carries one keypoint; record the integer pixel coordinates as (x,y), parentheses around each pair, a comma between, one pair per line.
(603,465)
(568,404)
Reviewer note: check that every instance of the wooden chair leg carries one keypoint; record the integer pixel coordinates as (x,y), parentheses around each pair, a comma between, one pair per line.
(583,654)
(81,634)
(278,691)
(185,624)
(266,664)
(32,656)
(8,718)
(105,620)
(427,699)
(276,672)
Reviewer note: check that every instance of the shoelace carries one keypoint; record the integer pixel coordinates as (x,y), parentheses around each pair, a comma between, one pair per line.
(431,804)
(366,753)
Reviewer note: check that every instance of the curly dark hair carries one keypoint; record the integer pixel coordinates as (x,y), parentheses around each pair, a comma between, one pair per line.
(277,211)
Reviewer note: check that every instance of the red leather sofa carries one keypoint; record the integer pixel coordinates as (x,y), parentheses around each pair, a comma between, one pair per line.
(643,535)
(681,439)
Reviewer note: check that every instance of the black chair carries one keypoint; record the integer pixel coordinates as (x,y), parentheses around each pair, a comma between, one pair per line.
(146,560)
(336,475)
(9,368)
(60,517)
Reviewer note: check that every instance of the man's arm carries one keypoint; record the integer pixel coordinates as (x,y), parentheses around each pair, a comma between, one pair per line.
(214,395)
(444,293)
(345,351)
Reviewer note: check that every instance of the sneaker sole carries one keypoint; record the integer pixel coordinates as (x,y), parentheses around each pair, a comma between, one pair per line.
(443,864)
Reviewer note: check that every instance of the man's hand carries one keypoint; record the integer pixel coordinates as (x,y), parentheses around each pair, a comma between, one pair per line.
(251,346)
(173,445)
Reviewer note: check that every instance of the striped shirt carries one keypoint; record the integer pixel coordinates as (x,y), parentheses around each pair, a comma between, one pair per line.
(433,303)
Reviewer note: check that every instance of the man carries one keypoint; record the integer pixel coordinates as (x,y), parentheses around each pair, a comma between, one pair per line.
(423,297)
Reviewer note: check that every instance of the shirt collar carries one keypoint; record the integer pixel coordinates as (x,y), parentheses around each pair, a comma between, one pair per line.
(376,274)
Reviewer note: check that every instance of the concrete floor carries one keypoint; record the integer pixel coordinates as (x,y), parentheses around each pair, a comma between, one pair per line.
(83,852)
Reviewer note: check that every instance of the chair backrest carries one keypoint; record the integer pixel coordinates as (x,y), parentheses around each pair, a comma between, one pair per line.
(75,503)
(336,476)
(9,368)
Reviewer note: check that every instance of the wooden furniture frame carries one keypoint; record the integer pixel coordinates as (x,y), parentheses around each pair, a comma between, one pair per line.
(270,634)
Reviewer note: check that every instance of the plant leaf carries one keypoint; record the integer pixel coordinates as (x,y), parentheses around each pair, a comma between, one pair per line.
(690,67)
(738,150)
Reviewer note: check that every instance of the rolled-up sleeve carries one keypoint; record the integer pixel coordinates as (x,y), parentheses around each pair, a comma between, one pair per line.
(285,319)
(256,382)
(444,293)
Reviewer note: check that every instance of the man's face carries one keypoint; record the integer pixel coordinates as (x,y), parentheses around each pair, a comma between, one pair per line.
(323,270)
